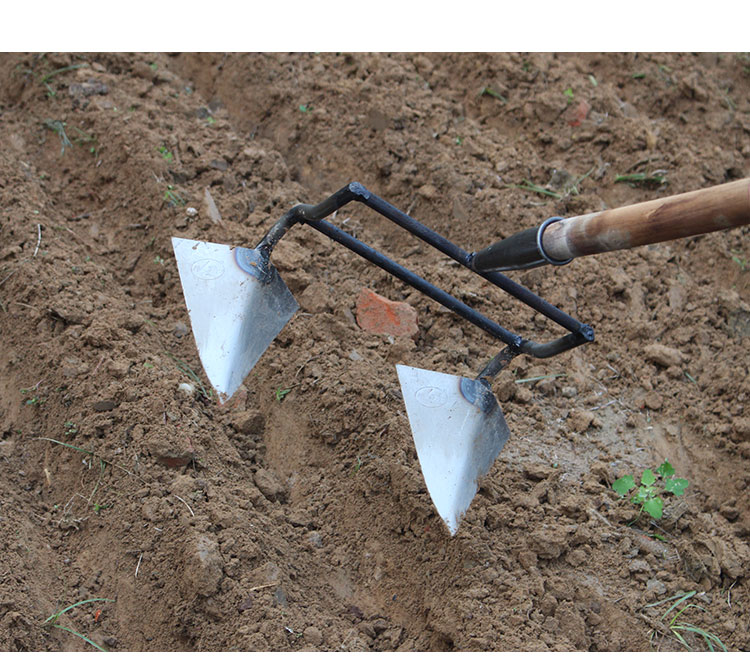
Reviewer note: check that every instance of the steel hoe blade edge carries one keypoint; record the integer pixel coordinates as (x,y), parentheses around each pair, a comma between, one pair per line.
(458,430)
(236,311)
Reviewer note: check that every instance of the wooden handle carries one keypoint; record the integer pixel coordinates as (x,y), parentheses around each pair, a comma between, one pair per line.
(695,213)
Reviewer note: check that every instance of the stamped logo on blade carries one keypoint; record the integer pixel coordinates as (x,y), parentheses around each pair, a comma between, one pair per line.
(431,396)
(207,269)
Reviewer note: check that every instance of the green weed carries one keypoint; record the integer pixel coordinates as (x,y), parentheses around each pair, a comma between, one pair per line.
(569,95)
(48,77)
(51,621)
(59,128)
(677,626)
(487,90)
(743,262)
(281,393)
(208,394)
(530,186)
(651,487)
(173,198)
(165,153)
(657,177)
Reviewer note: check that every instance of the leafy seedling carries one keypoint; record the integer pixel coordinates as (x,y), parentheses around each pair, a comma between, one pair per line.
(651,488)
(165,153)
(742,262)
(281,394)
(569,94)
(70,428)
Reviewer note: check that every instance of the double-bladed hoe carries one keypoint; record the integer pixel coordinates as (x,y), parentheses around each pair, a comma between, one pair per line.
(238,304)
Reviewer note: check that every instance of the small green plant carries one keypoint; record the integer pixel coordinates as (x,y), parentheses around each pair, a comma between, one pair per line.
(158,260)
(100,507)
(281,393)
(569,94)
(530,186)
(305,108)
(59,128)
(655,178)
(639,76)
(651,487)
(70,428)
(210,120)
(48,77)
(677,626)
(165,153)
(487,90)
(357,466)
(173,198)
(741,261)
(208,394)
(51,621)
(32,400)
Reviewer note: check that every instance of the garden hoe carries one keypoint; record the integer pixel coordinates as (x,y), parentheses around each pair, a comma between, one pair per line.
(238,304)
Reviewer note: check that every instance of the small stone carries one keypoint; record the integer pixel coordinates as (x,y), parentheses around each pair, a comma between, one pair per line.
(315,539)
(249,422)
(569,392)
(191,211)
(580,420)
(656,587)
(269,485)
(654,401)
(180,329)
(427,191)
(104,406)
(186,389)
(211,208)
(379,315)
(313,635)
(523,395)
(639,566)
(730,512)
(118,368)
(204,568)
(663,356)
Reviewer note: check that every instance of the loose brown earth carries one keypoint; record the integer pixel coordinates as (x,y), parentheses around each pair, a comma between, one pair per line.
(303,522)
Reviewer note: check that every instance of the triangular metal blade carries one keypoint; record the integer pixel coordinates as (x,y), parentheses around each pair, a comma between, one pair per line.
(235,309)
(458,430)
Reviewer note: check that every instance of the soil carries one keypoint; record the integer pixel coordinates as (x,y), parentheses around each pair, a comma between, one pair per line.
(295,517)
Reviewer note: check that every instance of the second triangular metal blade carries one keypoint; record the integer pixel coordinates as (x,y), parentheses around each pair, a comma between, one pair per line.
(235,310)
(458,430)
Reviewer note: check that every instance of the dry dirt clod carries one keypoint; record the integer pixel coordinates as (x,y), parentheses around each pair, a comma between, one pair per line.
(664,356)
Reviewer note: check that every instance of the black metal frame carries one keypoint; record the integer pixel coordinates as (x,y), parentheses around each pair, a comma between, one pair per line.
(313,215)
